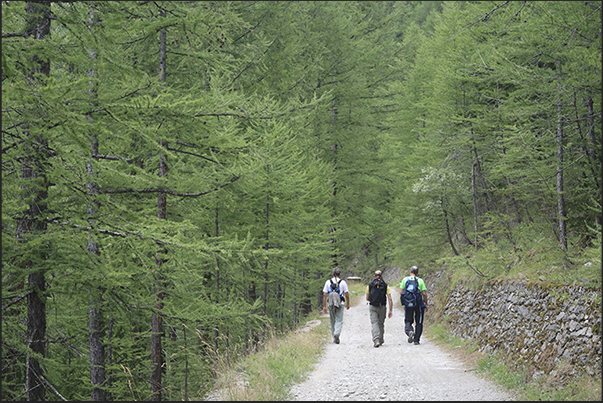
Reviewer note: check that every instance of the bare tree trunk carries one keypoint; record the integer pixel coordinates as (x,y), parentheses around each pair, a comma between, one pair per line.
(95,321)
(95,317)
(267,246)
(296,303)
(185,365)
(456,253)
(462,230)
(475,208)
(97,353)
(217,299)
(36,334)
(592,147)
(157,320)
(593,143)
(335,184)
(560,184)
(36,185)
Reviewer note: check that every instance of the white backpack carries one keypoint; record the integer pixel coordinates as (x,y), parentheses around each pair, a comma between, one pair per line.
(334,298)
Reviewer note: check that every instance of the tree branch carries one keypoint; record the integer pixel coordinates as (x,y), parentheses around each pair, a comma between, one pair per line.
(110,157)
(220,114)
(484,18)
(169,191)
(16,299)
(53,388)
(193,154)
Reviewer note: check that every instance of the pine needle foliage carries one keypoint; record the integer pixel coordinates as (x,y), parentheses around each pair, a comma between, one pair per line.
(179,178)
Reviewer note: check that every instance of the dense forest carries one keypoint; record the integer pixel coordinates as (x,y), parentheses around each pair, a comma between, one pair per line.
(179,178)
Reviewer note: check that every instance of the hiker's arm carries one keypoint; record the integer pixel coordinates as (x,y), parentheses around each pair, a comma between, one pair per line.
(324,302)
(424,298)
(391,305)
(347,300)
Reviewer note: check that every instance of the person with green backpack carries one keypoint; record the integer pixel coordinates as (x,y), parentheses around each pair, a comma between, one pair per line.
(413,297)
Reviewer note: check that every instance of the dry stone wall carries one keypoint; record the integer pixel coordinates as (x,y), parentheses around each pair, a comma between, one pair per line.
(554,329)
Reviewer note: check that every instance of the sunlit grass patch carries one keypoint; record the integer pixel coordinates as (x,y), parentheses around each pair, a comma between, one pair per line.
(269,374)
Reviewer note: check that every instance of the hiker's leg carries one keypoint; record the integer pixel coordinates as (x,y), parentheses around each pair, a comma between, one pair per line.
(420,312)
(333,319)
(338,321)
(374,316)
(408,319)
(381,311)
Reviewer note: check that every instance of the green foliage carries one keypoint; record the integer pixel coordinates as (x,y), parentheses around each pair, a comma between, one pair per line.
(296,136)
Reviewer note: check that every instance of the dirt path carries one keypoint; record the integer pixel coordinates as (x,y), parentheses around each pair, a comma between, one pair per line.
(395,371)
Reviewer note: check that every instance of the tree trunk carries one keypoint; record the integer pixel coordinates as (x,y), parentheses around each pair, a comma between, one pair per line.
(185,365)
(95,317)
(217,299)
(462,230)
(36,184)
(456,253)
(267,246)
(157,320)
(592,147)
(475,208)
(97,353)
(560,184)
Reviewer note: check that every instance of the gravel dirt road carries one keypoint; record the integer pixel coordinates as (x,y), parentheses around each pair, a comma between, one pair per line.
(397,370)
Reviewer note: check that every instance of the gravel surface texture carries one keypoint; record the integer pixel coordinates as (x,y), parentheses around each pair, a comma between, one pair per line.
(397,370)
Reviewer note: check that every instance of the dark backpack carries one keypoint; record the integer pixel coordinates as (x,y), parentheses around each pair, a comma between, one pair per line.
(411,297)
(334,297)
(377,292)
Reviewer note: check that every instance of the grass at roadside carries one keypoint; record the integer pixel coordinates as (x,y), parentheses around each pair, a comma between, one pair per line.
(513,378)
(268,374)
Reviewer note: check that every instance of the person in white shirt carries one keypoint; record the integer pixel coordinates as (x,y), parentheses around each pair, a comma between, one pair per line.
(336,313)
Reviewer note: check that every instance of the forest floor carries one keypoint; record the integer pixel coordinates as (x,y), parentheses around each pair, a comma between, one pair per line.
(397,370)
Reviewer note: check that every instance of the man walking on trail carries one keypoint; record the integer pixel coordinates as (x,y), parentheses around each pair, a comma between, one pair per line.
(377,294)
(414,298)
(336,285)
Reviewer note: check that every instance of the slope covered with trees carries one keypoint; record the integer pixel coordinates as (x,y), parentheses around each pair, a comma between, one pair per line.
(179,178)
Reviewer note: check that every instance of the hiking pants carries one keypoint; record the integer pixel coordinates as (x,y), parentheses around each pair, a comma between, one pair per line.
(414,315)
(336,315)
(377,315)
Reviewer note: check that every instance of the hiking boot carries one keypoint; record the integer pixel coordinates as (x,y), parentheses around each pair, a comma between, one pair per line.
(417,343)
(376,343)
(336,339)
(381,342)
(411,336)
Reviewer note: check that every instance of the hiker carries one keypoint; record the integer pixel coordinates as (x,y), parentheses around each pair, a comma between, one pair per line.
(378,294)
(336,312)
(415,304)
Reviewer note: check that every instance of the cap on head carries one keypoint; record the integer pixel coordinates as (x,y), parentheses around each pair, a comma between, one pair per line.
(414,270)
(378,273)
(336,271)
